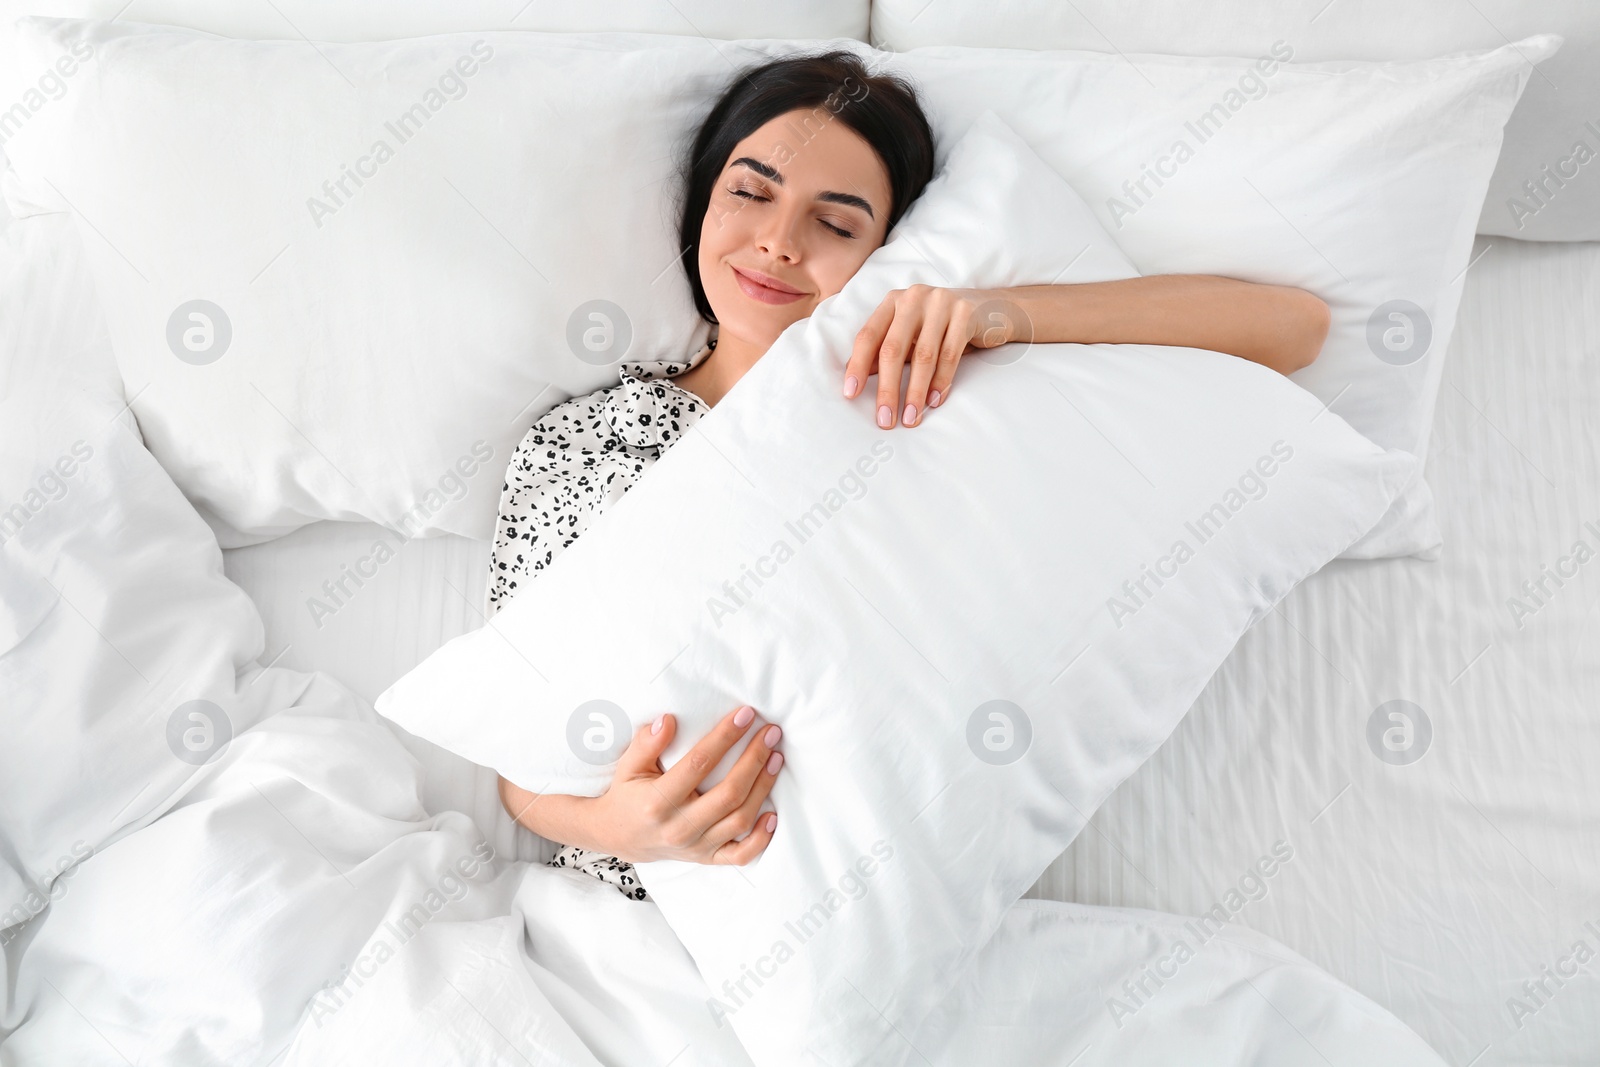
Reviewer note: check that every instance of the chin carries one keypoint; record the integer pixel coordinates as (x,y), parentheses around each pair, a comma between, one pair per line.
(755,327)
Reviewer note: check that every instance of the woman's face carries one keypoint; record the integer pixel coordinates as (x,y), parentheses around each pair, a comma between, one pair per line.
(800,205)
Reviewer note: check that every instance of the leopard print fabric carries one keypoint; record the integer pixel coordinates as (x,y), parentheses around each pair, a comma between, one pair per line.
(579,458)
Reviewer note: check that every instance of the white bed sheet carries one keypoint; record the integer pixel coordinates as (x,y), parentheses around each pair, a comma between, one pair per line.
(1437,888)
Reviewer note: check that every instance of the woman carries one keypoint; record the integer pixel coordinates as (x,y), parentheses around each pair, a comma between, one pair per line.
(795,177)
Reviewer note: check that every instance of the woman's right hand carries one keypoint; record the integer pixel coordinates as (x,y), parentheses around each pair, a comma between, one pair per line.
(652,814)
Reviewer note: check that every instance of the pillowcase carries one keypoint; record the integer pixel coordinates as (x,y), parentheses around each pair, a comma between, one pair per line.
(375,347)
(1360,182)
(1543,137)
(393,282)
(970,631)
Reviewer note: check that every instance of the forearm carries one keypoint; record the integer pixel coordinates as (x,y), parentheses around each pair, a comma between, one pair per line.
(553,816)
(1277,326)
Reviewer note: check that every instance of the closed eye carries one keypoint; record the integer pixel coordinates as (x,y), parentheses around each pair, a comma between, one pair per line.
(748,195)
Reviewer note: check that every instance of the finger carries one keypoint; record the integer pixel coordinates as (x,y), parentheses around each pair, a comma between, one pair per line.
(750,772)
(864,353)
(642,757)
(742,819)
(957,339)
(742,852)
(925,356)
(683,778)
(892,354)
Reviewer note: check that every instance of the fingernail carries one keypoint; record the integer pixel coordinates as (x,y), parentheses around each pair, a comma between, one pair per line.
(885,416)
(772,821)
(774,761)
(661,720)
(851,384)
(742,717)
(773,734)
(910,415)
(933,399)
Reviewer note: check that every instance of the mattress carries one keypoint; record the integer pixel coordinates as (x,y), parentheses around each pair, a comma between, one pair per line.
(1449,888)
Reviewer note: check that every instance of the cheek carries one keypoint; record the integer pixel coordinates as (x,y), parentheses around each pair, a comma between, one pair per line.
(834,269)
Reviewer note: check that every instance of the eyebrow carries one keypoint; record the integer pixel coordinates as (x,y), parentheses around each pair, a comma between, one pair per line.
(771,174)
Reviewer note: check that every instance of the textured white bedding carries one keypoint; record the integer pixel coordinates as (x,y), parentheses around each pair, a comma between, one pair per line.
(1438,887)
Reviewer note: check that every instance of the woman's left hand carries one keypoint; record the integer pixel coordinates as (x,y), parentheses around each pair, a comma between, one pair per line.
(931,328)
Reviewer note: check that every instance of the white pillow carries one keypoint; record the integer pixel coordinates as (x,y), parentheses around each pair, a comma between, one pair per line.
(383,364)
(1360,182)
(897,599)
(1542,137)
(375,355)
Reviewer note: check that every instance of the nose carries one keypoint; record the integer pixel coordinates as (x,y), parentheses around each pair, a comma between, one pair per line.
(777,238)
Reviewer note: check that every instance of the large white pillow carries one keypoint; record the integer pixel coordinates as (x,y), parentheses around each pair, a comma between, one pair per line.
(1542,146)
(294,352)
(1357,181)
(384,20)
(949,623)
(384,360)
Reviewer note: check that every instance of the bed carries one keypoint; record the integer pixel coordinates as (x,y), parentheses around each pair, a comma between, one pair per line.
(1437,888)
(1450,879)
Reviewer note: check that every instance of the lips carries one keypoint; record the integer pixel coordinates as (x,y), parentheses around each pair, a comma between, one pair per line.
(765,288)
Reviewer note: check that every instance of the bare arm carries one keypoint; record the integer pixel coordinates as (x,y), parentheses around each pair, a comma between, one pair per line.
(1277,326)
(651,814)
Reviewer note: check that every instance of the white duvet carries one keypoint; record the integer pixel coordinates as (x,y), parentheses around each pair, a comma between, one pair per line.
(299,906)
